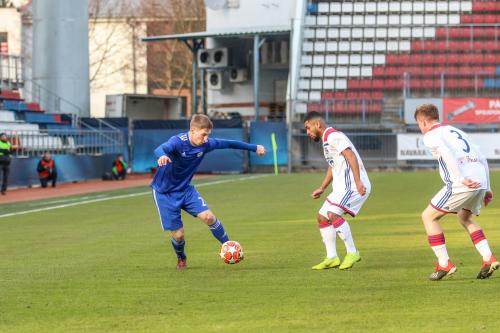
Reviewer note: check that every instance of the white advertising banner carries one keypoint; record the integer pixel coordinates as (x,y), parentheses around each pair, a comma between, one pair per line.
(411,146)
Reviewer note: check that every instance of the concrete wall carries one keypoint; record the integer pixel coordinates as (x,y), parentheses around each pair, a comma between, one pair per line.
(10,22)
(251,14)
(116,53)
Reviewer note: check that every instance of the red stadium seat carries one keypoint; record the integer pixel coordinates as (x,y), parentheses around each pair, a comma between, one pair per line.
(453,58)
(466,19)
(428,59)
(391,71)
(441,59)
(378,71)
(489,58)
(327,95)
(491,19)
(477,18)
(377,95)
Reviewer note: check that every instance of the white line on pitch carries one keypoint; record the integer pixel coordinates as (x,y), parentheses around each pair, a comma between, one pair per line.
(222,181)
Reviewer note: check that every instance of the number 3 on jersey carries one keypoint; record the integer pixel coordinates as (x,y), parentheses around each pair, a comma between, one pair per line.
(459,137)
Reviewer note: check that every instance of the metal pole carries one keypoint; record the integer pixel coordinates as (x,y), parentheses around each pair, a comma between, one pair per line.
(202,88)
(256,78)
(194,85)
(442,84)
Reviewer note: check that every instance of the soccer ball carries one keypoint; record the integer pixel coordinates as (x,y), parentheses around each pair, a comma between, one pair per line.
(231,252)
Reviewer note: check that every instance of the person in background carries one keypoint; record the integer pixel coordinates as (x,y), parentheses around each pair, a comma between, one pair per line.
(5,152)
(119,168)
(47,170)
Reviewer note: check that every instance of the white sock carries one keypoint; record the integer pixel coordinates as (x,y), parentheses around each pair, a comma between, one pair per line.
(442,254)
(344,232)
(484,249)
(329,239)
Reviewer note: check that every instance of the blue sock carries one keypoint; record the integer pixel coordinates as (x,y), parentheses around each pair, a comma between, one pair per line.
(218,231)
(179,248)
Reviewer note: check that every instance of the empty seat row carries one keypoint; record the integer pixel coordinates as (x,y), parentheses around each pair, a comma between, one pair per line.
(16,126)
(322,84)
(42,118)
(492,83)
(397,6)
(453,58)
(337,71)
(9,95)
(395,20)
(468,32)
(345,108)
(378,46)
(343,59)
(7,116)
(454,45)
(480,18)
(352,95)
(464,70)
(486,6)
(398,33)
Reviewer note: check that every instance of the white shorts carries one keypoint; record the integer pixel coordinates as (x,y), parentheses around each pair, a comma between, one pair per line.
(339,203)
(447,201)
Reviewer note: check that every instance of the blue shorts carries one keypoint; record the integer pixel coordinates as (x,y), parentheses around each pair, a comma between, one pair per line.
(170,204)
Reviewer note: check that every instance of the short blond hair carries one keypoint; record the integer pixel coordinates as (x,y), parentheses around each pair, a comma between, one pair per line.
(201,121)
(429,111)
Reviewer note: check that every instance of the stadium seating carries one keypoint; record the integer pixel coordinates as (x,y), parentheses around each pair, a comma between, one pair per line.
(30,128)
(388,47)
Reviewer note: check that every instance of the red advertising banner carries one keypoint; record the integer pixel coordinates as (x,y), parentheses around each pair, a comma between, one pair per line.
(471,110)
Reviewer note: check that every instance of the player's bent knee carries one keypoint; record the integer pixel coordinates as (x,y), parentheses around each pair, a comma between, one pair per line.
(178,234)
(207,217)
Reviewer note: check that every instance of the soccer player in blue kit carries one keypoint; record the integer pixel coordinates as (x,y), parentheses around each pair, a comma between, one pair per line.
(178,159)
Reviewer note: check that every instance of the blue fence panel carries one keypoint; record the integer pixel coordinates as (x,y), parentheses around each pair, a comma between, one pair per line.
(69,168)
(260,133)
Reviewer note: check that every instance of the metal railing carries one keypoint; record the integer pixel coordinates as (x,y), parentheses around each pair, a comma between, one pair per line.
(28,143)
(49,100)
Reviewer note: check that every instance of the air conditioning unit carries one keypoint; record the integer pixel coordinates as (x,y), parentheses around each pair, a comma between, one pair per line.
(215,80)
(220,57)
(238,75)
(204,58)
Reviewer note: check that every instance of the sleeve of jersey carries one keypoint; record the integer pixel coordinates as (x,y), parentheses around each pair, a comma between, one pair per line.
(231,144)
(166,148)
(339,142)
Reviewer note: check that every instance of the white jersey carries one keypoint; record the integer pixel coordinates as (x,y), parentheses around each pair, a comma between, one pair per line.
(458,157)
(334,143)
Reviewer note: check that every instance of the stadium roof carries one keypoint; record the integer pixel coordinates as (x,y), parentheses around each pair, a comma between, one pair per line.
(271,30)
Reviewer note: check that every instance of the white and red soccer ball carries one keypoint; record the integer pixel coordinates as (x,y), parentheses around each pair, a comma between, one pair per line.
(231,252)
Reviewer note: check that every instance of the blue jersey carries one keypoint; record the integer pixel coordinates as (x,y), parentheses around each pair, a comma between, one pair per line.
(186,158)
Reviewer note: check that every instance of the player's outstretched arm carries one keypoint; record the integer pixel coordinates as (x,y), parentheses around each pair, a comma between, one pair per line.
(235,144)
(352,160)
(326,181)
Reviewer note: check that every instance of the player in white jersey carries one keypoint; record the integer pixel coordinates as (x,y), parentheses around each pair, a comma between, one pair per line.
(465,173)
(351,188)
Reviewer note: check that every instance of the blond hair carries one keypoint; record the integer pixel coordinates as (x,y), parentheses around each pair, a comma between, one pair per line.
(201,121)
(428,111)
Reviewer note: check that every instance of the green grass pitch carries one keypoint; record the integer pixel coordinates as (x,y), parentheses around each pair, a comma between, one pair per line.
(108,267)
